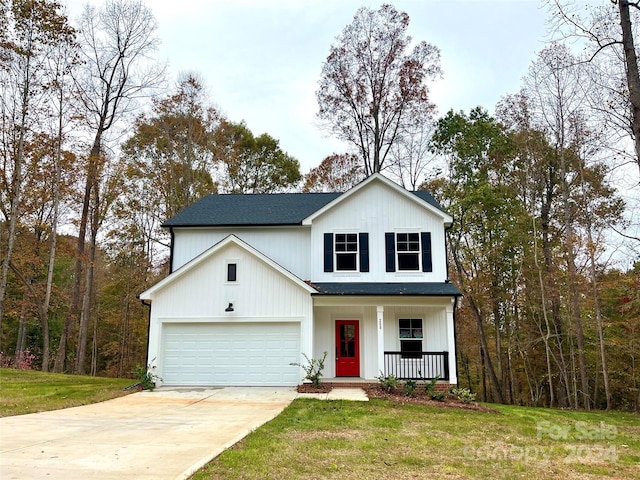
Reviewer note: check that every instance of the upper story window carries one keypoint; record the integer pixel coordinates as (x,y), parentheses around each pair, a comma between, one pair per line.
(346,252)
(408,251)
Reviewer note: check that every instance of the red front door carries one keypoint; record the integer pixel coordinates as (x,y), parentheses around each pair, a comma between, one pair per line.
(347,348)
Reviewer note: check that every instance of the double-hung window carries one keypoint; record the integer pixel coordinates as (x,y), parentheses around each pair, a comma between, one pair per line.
(346,252)
(410,337)
(408,252)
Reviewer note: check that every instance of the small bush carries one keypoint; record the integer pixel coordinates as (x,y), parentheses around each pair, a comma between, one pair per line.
(313,369)
(438,396)
(464,395)
(410,388)
(146,379)
(388,383)
(430,386)
(23,360)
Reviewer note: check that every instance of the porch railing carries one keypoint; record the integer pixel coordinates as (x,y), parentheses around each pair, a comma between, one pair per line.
(417,366)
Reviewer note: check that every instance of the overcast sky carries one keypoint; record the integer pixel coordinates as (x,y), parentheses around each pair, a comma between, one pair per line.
(261,59)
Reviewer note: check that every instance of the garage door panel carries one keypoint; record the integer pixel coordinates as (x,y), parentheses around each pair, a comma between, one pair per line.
(231,354)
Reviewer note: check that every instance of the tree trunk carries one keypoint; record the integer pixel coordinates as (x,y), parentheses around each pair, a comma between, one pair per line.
(633,77)
(54,237)
(487,363)
(74,307)
(21,340)
(43,314)
(16,187)
(573,282)
(87,299)
(598,315)
(495,383)
(543,302)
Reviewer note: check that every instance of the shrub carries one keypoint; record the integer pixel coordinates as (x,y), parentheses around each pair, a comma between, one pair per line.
(410,388)
(23,360)
(430,386)
(146,379)
(463,394)
(438,396)
(313,369)
(388,383)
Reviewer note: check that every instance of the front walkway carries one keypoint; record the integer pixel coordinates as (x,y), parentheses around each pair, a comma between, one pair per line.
(353,394)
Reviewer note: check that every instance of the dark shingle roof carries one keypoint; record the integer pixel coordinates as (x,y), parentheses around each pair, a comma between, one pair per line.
(259,209)
(377,289)
(251,209)
(427,197)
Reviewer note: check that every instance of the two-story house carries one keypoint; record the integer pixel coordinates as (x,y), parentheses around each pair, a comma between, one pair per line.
(259,280)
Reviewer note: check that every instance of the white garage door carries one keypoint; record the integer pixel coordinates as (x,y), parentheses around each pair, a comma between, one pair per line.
(250,354)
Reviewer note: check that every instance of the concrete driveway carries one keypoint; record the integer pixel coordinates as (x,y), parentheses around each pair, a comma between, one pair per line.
(165,434)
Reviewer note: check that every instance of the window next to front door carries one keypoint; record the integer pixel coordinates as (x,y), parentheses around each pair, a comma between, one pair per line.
(346,252)
(410,332)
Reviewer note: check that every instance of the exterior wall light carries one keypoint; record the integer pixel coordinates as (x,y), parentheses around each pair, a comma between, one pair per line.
(229,308)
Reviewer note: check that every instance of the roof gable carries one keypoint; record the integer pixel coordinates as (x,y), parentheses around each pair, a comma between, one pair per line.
(422,198)
(230,239)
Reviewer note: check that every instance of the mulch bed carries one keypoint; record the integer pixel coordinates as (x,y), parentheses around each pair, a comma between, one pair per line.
(308,388)
(420,398)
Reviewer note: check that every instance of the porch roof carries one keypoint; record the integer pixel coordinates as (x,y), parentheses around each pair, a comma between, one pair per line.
(431,289)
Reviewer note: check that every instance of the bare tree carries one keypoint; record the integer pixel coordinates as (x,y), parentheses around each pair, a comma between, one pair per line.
(371,87)
(609,31)
(115,43)
(411,156)
(554,82)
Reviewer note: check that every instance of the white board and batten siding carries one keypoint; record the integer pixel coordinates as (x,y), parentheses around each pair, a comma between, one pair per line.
(287,246)
(193,341)
(376,210)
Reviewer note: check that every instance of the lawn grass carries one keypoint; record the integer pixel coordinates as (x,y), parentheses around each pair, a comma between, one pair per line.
(381,439)
(27,391)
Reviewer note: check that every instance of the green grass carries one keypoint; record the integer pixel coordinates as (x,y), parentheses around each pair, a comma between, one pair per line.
(26,391)
(315,439)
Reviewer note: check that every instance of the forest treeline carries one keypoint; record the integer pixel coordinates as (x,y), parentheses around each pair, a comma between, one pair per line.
(97,151)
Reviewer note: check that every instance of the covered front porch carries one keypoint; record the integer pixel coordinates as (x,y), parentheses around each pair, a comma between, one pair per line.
(368,336)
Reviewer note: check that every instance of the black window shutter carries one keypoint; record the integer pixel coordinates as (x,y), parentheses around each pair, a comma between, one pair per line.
(328,252)
(364,252)
(427,264)
(389,242)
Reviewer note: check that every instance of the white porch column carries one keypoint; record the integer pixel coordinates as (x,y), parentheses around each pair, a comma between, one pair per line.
(380,323)
(306,333)
(451,343)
